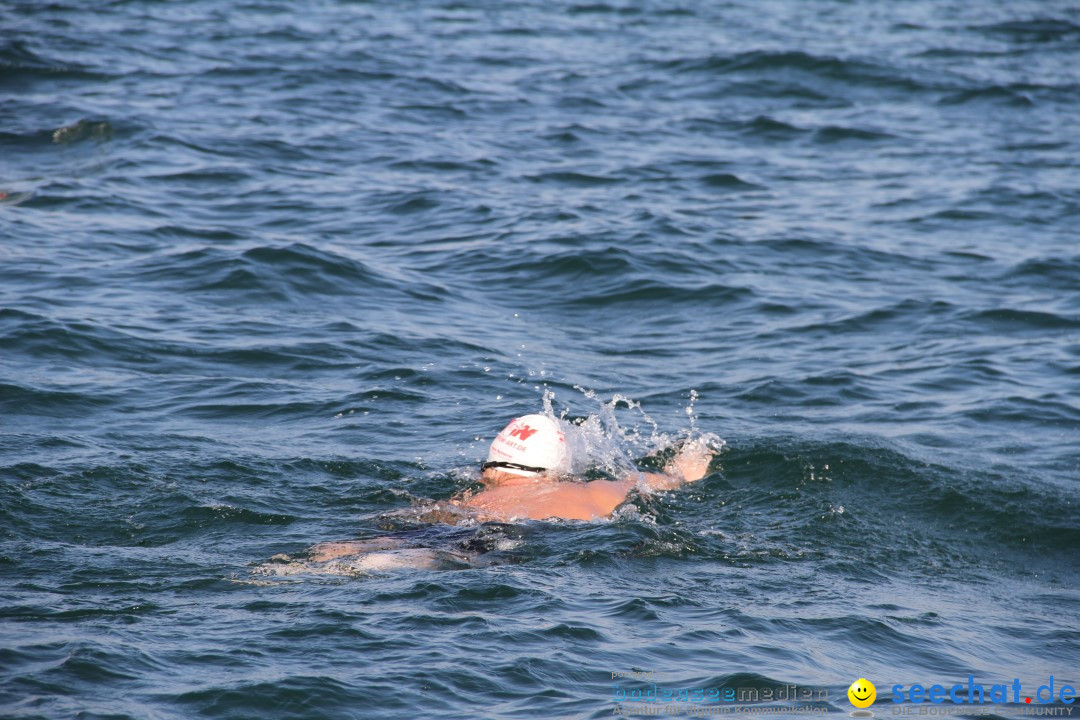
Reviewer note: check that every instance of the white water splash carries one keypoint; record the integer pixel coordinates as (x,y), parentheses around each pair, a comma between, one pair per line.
(613,436)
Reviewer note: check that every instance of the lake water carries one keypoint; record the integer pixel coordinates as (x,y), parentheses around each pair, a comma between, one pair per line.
(275,273)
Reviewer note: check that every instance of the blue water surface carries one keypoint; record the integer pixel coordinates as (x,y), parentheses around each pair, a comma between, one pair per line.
(275,273)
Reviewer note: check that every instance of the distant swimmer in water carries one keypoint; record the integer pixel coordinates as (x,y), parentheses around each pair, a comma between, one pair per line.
(527,477)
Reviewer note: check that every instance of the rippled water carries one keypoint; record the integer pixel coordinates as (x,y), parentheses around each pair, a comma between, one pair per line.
(273,274)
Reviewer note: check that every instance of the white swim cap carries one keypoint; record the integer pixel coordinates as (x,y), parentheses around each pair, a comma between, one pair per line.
(530,445)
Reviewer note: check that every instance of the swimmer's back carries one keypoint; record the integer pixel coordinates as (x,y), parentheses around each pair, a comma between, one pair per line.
(567,500)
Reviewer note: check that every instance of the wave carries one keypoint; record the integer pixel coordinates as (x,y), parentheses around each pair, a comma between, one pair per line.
(573,179)
(18,63)
(823,67)
(1011,320)
(1058,272)
(1035,30)
(799,495)
(837,134)
(287,273)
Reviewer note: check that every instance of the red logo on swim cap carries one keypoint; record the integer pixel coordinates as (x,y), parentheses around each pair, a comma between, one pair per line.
(524,432)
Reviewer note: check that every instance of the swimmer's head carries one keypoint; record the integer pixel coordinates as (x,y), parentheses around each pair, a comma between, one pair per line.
(529,446)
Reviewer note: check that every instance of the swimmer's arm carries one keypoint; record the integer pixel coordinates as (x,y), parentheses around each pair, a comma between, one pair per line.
(655,481)
(606,495)
(689,465)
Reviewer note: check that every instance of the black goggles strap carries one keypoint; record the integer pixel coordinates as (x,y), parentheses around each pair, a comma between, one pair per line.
(512,466)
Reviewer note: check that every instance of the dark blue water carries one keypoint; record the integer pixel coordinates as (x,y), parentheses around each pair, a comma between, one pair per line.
(274,273)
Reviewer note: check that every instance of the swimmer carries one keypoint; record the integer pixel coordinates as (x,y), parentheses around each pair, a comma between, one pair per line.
(527,476)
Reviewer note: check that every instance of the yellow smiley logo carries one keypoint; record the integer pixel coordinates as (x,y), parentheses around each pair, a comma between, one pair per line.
(862,693)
